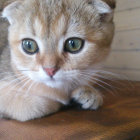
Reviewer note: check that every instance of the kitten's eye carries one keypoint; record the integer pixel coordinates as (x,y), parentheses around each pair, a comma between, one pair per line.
(73,45)
(30,46)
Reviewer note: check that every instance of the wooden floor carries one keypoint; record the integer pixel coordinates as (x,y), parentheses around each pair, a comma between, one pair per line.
(118,119)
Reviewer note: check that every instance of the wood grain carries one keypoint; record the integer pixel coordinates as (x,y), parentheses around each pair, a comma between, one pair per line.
(127,20)
(124,59)
(127,41)
(123,5)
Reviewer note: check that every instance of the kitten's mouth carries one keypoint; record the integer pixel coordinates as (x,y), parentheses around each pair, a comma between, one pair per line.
(53,83)
(51,79)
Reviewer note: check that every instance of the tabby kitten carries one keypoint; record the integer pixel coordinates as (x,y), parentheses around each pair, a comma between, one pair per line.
(55,48)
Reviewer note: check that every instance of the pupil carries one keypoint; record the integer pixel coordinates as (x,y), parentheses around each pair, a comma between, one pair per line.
(29,45)
(72,43)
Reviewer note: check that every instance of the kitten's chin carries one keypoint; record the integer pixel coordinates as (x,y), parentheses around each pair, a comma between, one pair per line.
(54,84)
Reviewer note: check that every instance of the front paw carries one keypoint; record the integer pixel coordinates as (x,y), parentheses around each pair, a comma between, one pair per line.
(87,98)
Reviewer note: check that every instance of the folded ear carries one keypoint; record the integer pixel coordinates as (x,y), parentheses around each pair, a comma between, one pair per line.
(10,10)
(102,7)
(105,8)
(111,3)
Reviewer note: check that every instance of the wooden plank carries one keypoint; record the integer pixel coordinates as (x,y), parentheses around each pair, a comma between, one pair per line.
(131,75)
(127,4)
(124,60)
(124,74)
(127,20)
(127,41)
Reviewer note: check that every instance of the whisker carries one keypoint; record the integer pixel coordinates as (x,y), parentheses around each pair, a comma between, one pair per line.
(27,92)
(92,77)
(10,77)
(16,85)
(89,79)
(118,77)
(101,86)
(27,81)
(29,70)
(12,82)
(7,72)
(105,77)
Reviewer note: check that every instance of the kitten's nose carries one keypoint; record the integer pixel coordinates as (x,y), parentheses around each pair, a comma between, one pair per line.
(50,71)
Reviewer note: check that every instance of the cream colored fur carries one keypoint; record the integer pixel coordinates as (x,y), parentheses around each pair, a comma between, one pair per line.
(28,92)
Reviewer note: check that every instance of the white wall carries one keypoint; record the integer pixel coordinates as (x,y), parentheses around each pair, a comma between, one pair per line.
(125,55)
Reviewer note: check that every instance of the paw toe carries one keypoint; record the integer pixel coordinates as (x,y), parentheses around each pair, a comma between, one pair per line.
(88,99)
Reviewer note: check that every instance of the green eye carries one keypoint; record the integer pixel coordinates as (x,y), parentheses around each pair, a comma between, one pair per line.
(73,45)
(30,46)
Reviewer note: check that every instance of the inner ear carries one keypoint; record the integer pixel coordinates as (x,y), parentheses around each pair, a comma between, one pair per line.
(10,10)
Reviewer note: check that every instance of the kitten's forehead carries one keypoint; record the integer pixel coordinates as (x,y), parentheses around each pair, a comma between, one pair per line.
(52,19)
(47,19)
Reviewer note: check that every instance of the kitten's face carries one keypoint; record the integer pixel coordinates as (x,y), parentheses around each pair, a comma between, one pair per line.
(57,42)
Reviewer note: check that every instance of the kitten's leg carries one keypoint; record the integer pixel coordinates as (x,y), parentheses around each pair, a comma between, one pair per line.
(25,107)
(87,98)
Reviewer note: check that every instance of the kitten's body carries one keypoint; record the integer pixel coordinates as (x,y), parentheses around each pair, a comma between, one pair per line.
(30,93)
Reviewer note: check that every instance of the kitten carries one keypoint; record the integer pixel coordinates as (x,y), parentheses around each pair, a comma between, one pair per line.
(55,48)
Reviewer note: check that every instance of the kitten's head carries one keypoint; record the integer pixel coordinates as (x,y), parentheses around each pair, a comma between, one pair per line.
(59,42)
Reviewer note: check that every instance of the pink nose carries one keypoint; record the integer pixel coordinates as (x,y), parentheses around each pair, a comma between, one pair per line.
(50,71)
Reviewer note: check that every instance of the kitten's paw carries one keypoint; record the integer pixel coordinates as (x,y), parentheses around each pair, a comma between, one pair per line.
(88,98)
